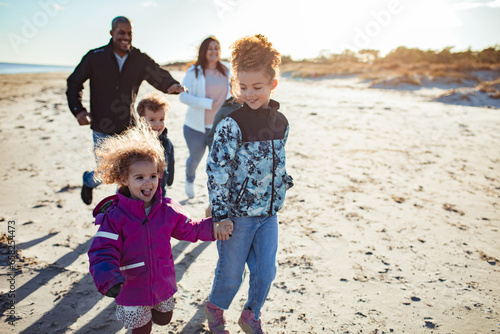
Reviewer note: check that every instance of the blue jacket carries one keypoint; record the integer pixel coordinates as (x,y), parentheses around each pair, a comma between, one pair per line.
(246,166)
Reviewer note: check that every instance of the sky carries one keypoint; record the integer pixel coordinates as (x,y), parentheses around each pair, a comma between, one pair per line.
(60,32)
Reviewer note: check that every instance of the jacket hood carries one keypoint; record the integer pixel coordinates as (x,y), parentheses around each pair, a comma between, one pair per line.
(134,206)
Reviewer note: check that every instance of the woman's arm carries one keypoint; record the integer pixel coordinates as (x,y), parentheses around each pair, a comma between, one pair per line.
(195,95)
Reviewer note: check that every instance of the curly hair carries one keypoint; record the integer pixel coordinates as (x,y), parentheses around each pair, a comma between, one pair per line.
(255,53)
(153,102)
(117,153)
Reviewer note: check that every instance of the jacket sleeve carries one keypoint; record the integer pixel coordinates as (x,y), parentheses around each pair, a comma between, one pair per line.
(171,163)
(104,256)
(188,229)
(227,140)
(75,82)
(287,179)
(158,77)
(223,112)
(190,97)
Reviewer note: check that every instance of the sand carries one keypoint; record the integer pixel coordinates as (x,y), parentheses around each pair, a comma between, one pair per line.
(392,226)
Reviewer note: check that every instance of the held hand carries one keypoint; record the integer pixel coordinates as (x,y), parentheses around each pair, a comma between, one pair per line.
(223,230)
(114,291)
(83,118)
(176,89)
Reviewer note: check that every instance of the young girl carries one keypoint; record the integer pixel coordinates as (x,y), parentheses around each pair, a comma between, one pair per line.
(247,181)
(130,256)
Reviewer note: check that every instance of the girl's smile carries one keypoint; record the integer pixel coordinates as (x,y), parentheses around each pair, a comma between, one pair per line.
(256,88)
(142,181)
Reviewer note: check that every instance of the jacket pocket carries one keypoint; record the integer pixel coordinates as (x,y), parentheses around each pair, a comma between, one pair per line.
(133,270)
(288,181)
(167,272)
(242,190)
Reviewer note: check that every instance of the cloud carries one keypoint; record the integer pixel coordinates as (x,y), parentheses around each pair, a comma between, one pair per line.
(3,4)
(149,4)
(223,6)
(493,4)
(468,4)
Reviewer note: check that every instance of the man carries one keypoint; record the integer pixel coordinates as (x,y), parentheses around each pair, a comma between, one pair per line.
(116,72)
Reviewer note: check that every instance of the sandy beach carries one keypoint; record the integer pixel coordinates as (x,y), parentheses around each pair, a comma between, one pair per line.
(392,225)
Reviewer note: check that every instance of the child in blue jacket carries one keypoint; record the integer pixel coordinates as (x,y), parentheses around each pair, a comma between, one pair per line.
(247,182)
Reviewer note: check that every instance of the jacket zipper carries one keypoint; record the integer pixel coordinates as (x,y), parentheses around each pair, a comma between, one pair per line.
(243,187)
(150,260)
(272,180)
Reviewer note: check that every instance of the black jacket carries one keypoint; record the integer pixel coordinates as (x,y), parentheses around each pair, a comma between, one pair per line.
(113,93)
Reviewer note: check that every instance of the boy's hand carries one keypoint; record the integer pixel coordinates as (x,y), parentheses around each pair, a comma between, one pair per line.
(223,230)
(175,89)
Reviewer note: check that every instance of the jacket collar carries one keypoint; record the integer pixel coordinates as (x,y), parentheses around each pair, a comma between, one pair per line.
(164,133)
(273,107)
(111,51)
(130,205)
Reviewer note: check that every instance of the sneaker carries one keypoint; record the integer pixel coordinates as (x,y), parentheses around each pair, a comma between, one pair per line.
(248,323)
(189,189)
(215,317)
(86,192)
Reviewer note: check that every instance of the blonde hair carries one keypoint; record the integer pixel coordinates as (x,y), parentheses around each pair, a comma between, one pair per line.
(153,102)
(255,53)
(117,153)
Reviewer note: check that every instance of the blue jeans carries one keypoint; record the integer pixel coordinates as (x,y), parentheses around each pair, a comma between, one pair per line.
(196,142)
(89,179)
(254,242)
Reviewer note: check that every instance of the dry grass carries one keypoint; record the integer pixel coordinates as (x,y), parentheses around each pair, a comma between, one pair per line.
(398,73)
(491,87)
(315,69)
(390,72)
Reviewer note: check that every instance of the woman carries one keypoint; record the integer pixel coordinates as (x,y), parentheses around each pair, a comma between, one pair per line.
(207,83)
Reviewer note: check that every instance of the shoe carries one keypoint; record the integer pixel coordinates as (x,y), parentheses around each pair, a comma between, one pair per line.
(215,317)
(248,323)
(189,189)
(86,192)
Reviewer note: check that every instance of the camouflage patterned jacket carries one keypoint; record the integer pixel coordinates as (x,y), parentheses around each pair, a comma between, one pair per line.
(246,166)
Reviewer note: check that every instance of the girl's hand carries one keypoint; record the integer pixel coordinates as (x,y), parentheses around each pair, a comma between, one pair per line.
(223,230)
(114,291)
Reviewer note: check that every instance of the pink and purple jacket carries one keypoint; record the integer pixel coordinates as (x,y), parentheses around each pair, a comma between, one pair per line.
(135,250)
